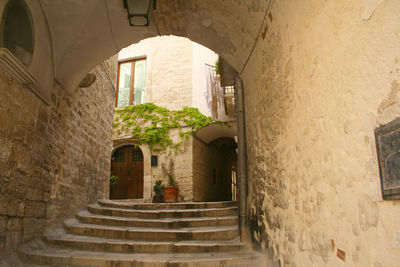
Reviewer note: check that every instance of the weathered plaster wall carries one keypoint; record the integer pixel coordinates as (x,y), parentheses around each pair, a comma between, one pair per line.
(53,158)
(324,77)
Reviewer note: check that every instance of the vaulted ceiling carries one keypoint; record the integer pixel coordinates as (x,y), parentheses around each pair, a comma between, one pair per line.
(83,33)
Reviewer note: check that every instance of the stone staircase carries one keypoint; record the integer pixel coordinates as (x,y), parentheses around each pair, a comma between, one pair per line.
(112,233)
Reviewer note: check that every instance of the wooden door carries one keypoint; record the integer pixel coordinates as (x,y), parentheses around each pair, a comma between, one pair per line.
(127,165)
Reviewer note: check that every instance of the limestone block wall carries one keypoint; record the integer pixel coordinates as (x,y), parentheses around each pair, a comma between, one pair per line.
(202,171)
(325,76)
(183,168)
(172,73)
(53,158)
(169,69)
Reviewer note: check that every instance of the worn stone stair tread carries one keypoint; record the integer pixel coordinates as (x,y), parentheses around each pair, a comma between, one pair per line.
(73,226)
(41,254)
(132,200)
(169,220)
(164,235)
(166,213)
(151,206)
(60,238)
(97,206)
(73,222)
(66,236)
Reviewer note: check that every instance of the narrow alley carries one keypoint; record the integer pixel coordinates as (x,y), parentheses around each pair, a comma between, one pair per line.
(271,138)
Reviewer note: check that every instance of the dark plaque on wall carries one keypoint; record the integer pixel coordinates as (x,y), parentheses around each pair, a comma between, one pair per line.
(387,139)
(154,161)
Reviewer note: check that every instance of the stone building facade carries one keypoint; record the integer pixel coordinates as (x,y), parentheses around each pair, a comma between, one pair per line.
(176,77)
(54,156)
(175,71)
(325,85)
(319,77)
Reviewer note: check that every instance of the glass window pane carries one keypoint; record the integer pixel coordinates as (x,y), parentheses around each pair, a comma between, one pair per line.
(17,33)
(137,155)
(118,156)
(140,82)
(124,84)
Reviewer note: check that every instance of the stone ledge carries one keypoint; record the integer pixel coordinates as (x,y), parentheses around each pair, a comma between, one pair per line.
(12,67)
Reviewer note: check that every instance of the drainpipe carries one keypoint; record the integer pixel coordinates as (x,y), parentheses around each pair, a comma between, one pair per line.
(242,158)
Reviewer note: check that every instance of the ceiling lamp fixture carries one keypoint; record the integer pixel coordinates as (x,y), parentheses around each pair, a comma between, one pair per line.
(139,11)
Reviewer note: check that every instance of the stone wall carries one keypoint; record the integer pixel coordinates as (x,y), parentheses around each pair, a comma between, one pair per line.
(183,169)
(325,76)
(169,69)
(321,77)
(202,171)
(172,73)
(53,158)
(175,69)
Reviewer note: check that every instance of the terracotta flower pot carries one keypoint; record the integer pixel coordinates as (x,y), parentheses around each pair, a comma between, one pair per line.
(170,194)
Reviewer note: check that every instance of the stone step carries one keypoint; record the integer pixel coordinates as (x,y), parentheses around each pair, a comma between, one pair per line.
(167,213)
(73,226)
(161,206)
(128,234)
(61,239)
(37,253)
(134,200)
(89,218)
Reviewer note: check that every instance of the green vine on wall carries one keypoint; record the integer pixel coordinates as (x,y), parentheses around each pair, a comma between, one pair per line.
(150,124)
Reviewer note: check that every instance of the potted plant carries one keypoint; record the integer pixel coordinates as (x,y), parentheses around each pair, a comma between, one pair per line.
(113,179)
(171,190)
(158,189)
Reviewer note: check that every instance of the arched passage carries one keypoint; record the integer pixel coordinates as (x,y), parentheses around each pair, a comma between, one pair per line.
(215,161)
(97,31)
(213,165)
(317,85)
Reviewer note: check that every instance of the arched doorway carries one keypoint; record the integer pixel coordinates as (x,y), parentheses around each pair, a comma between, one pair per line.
(127,165)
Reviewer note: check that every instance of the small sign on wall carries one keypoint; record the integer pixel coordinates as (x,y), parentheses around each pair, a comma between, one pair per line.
(387,138)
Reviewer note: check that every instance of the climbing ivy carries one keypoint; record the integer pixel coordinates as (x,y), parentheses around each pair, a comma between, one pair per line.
(150,124)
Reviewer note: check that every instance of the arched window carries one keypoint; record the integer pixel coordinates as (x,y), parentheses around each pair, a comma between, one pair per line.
(17,31)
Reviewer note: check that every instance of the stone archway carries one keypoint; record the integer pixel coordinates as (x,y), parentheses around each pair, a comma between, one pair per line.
(97,31)
(72,38)
(317,84)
